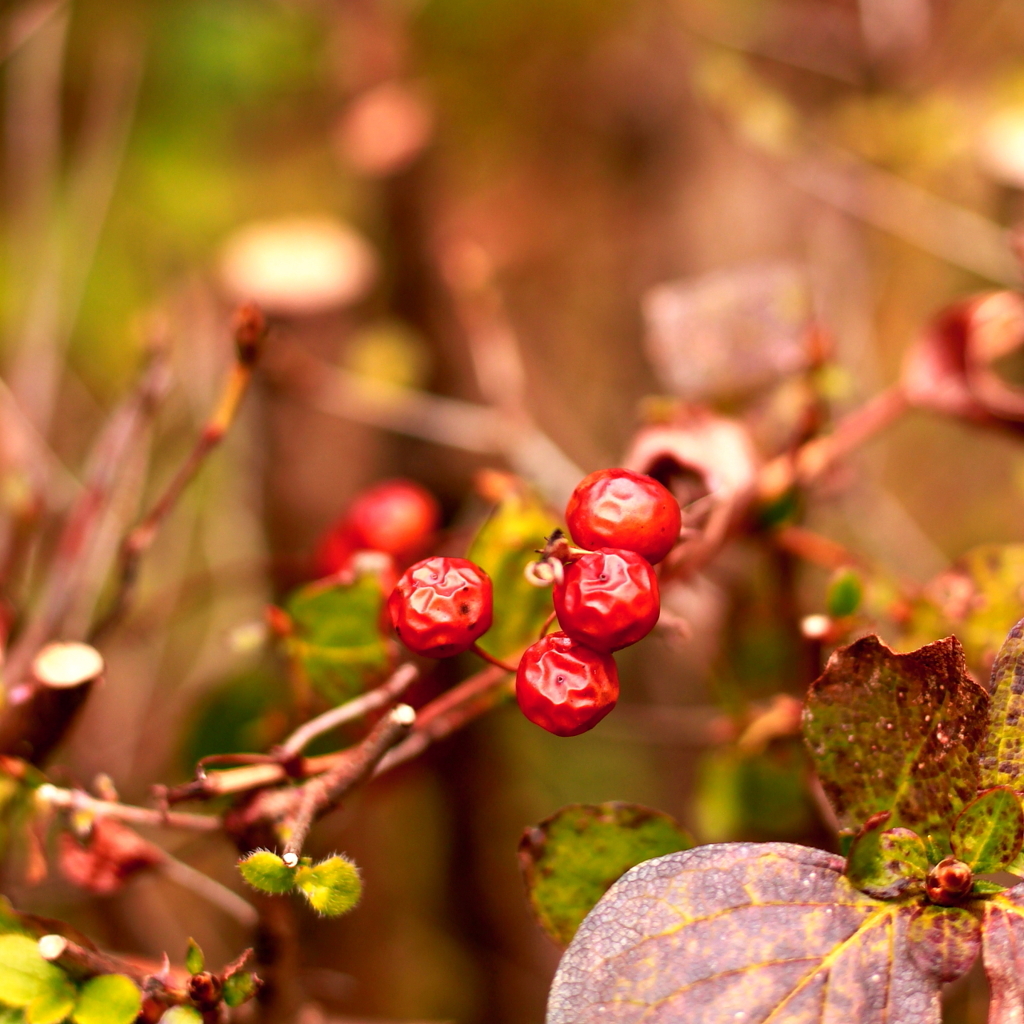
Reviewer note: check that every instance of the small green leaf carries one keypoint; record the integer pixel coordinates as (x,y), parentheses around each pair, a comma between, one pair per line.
(10,1015)
(982,887)
(182,1015)
(885,864)
(845,593)
(27,980)
(897,732)
(333,886)
(503,546)
(1002,757)
(266,871)
(989,831)
(240,988)
(570,859)
(108,999)
(194,959)
(336,636)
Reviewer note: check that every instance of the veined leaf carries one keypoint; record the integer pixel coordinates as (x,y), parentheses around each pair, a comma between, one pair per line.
(108,999)
(1003,954)
(750,932)
(506,542)
(336,636)
(899,733)
(1002,757)
(989,831)
(571,859)
(886,863)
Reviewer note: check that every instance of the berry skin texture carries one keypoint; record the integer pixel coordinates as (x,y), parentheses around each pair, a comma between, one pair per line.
(617,508)
(608,600)
(441,606)
(564,686)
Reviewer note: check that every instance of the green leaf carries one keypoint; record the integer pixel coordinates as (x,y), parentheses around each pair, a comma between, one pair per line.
(503,547)
(845,593)
(29,981)
(108,999)
(332,887)
(570,859)
(336,636)
(983,887)
(10,1015)
(266,871)
(240,988)
(886,863)
(182,1015)
(899,733)
(747,932)
(978,599)
(989,831)
(1002,757)
(194,959)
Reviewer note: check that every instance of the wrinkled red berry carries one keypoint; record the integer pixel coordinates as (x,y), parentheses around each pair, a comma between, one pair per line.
(564,686)
(398,517)
(609,599)
(441,606)
(617,508)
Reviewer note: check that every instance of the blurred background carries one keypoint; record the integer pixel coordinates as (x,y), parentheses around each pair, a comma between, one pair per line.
(570,214)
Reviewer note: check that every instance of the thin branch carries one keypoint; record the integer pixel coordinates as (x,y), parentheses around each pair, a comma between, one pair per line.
(385,694)
(76,800)
(84,963)
(210,890)
(319,795)
(249,329)
(492,660)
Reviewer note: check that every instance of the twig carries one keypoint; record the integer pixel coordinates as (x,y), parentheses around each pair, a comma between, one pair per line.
(385,694)
(813,547)
(76,800)
(110,455)
(84,963)
(210,890)
(249,329)
(492,660)
(318,795)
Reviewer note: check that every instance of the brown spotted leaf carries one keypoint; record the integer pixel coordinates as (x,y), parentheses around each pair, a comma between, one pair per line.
(756,933)
(1002,757)
(897,732)
(1003,953)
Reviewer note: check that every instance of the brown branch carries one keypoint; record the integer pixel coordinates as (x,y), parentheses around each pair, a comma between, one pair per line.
(82,963)
(76,800)
(492,660)
(250,330)
(813,547)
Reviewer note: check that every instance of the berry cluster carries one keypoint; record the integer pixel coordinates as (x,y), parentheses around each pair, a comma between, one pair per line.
(605,599)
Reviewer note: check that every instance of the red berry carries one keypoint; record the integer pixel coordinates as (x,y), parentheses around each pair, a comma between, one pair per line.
(609,599)
(398,517)
(617,508)
(441,606)
(564,686)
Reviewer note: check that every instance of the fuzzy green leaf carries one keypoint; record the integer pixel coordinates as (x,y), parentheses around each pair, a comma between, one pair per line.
(240,988)
(29,981)
(194,959)
(266,871)
(757,932)
(571,859)
(989,831)
(336,636)
(332,887)
(182,1015)
(845,593)
(504,545)
(108,999)
(1002,757)
(898,733)
(886,863)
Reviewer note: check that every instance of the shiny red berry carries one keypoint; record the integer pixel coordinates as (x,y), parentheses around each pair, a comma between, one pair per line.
(398,517)
(441,606)
(564,686)
(608,600)
(617,508)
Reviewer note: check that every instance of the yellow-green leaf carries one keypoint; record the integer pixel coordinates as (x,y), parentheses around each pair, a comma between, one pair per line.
(571,859)
(29,981)
(266,871)
(989,832)
(504,545)
(332,887)
(1002,756)
(108,999)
